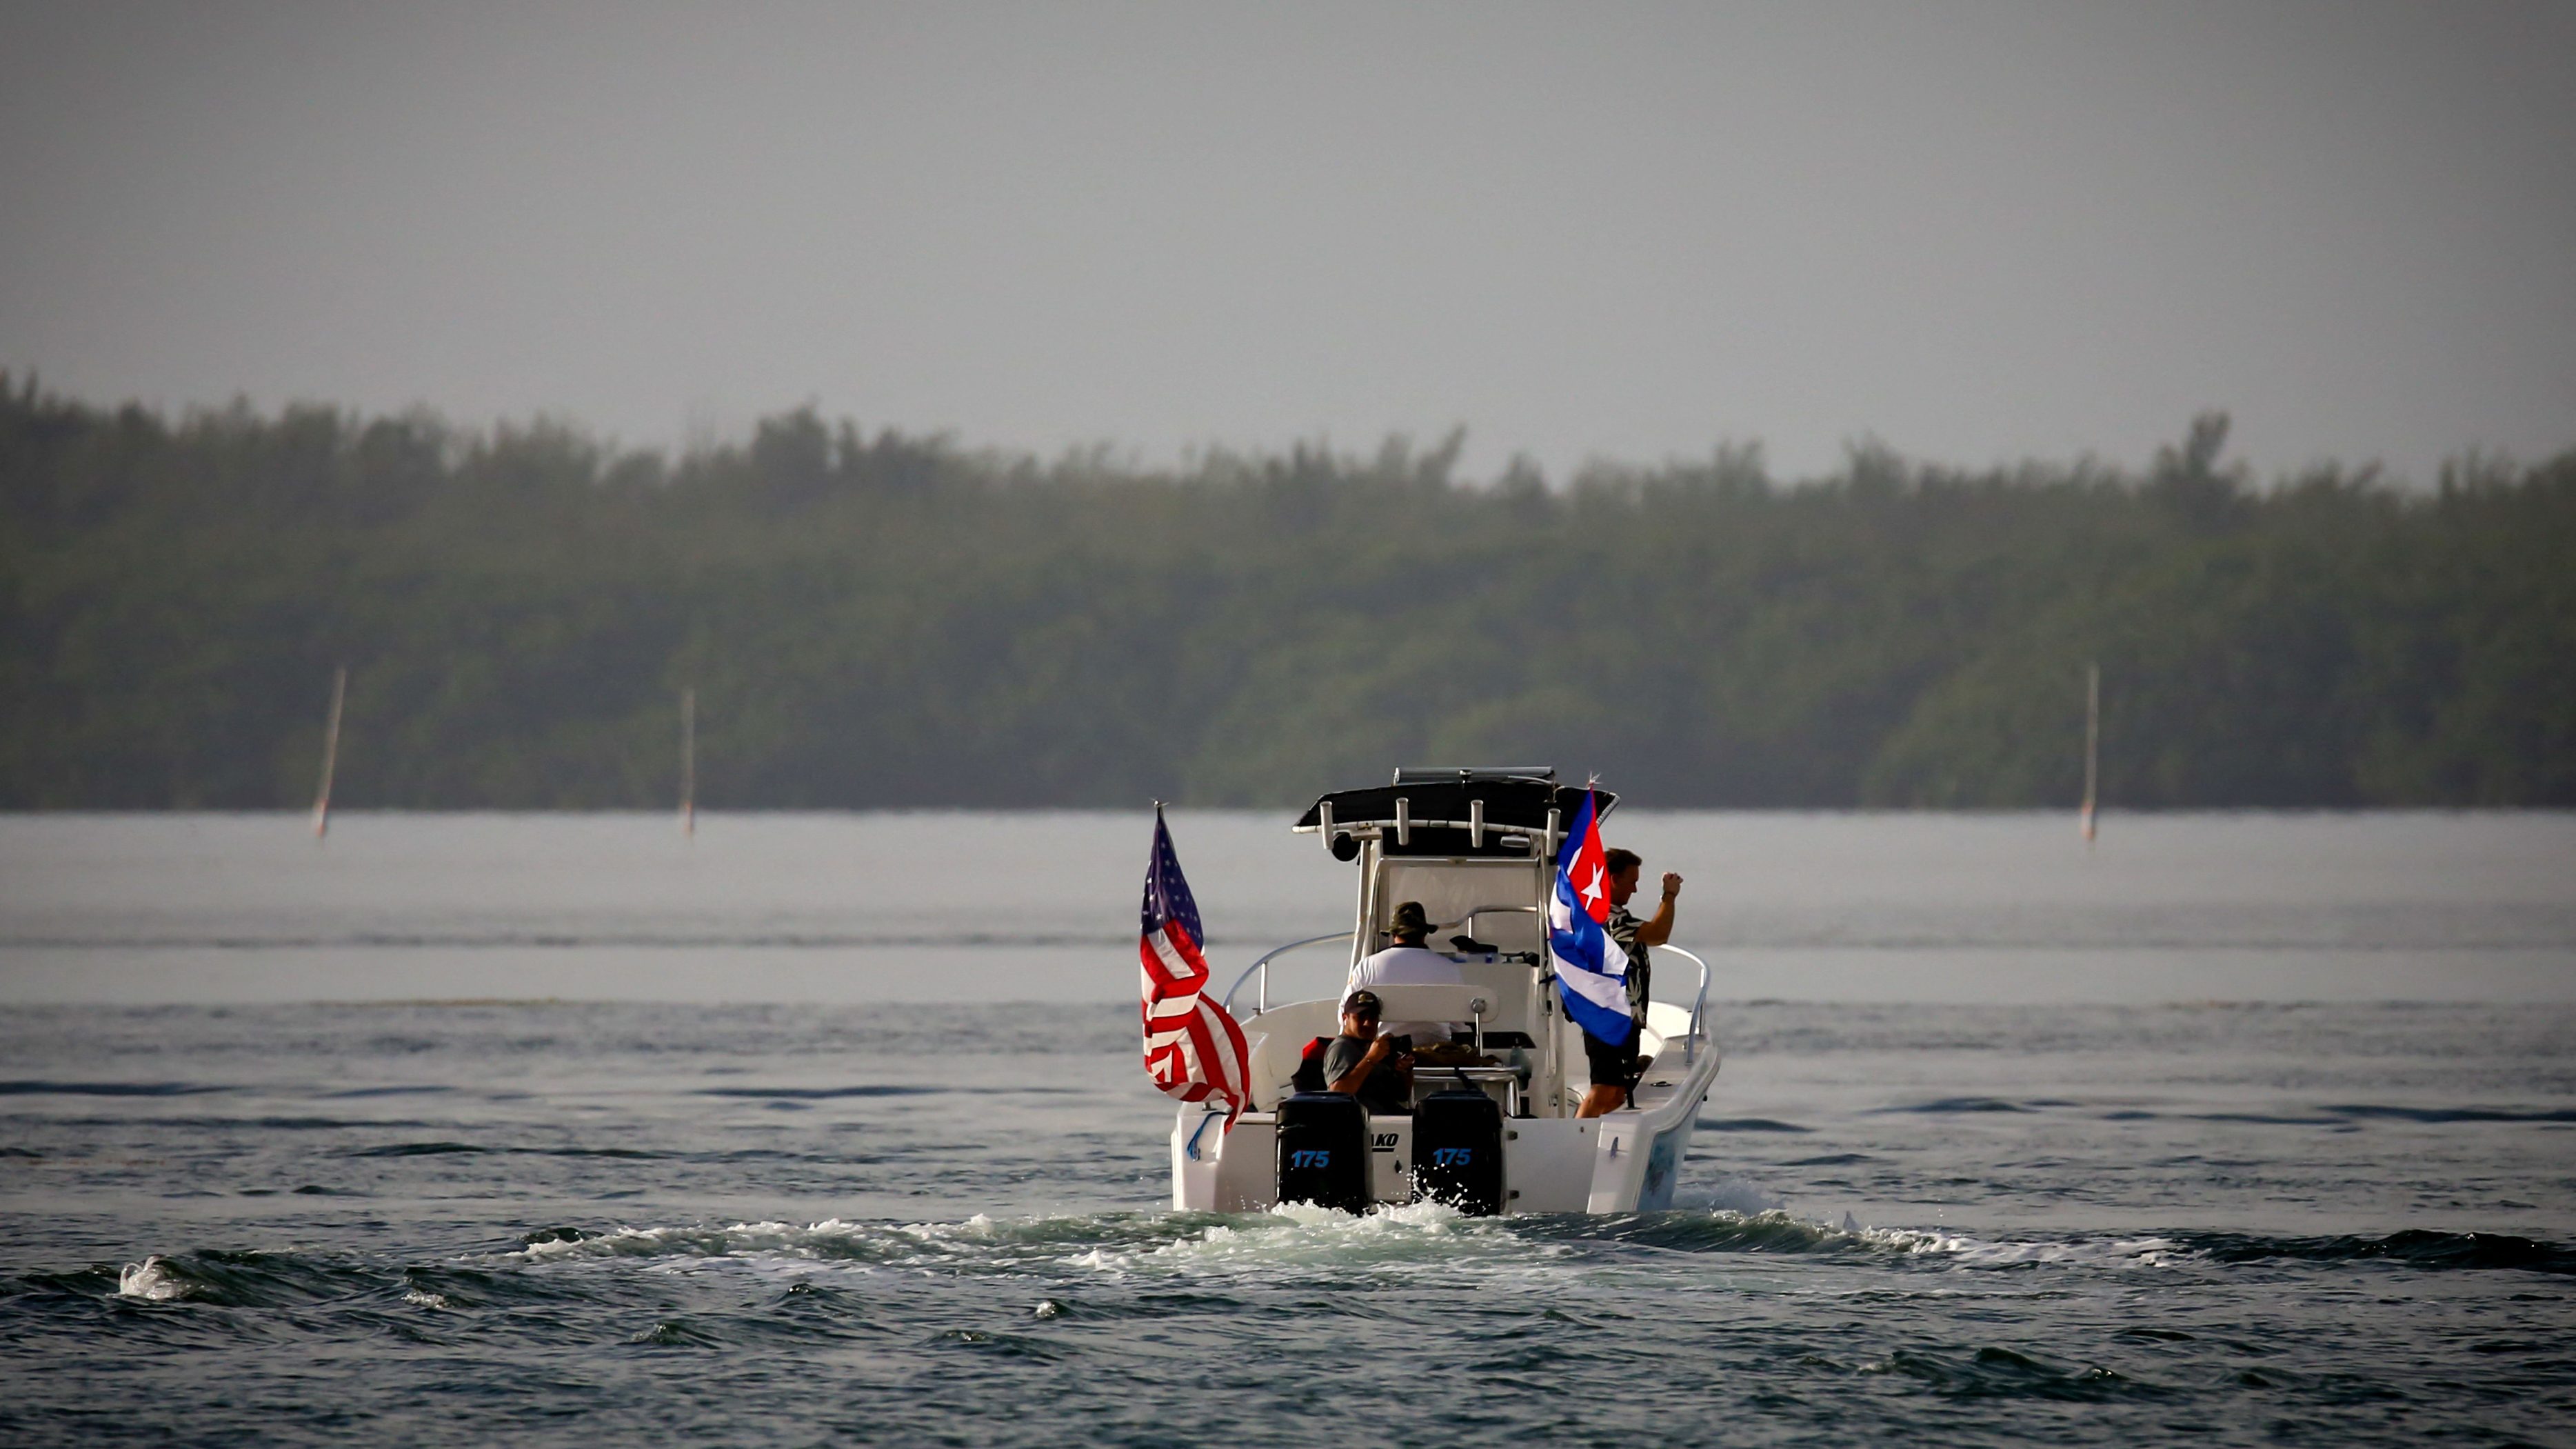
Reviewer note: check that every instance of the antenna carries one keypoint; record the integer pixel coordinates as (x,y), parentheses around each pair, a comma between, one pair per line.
(2092,746)
(330,752)
(689,763)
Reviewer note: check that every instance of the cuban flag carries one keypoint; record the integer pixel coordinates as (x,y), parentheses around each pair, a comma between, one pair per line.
(1591,969)
(1193,1048)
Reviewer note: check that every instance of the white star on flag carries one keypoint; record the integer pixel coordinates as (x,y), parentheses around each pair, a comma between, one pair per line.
(1592,888)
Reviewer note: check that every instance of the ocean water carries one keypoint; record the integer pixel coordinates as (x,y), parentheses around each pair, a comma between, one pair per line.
(830,1130)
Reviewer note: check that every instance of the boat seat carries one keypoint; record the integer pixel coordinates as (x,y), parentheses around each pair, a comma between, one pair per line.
(1309,1076)
(1416,1002)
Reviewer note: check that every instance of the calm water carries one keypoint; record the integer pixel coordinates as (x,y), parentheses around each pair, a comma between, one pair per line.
(2232,1130)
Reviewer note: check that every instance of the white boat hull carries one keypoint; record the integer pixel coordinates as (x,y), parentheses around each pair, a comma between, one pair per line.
(1626,1161)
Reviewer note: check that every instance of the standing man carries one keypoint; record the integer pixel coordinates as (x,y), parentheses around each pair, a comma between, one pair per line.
(1616,1067)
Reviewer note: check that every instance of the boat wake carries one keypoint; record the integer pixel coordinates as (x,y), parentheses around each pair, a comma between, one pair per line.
(1296,1237)
(1057,1254)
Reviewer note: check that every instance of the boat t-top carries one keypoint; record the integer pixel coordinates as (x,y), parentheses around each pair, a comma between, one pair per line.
(1495,1130)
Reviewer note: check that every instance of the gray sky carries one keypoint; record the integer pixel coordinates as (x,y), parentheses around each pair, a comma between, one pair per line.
(1975,232)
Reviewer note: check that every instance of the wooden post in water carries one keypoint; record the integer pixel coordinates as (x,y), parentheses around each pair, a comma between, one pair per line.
(2092,745)
(330,752)
(689,763)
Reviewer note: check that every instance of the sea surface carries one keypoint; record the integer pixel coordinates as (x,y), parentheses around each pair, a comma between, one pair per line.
(823,1130)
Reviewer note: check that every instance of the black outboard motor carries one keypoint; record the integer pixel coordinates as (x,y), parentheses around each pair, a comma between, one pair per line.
(1458,1151)
(1324,1151)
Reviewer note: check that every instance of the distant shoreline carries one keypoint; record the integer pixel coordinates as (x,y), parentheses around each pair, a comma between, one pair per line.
(529,618)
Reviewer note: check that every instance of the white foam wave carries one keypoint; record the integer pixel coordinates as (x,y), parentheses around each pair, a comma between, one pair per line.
(1286,1235)
(1966,1250)
(2113,1252)
(978,1240)
(1293,1237)
(1974,1252)
(776,1239)
(152,1280)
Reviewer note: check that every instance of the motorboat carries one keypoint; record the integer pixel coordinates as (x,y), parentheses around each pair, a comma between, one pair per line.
(1496,1129)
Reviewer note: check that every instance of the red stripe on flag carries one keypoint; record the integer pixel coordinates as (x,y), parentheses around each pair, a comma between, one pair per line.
(1194,1049)
(1172,962)
(1234,1057)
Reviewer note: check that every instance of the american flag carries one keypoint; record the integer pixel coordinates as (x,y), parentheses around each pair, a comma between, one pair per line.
(1193,1049)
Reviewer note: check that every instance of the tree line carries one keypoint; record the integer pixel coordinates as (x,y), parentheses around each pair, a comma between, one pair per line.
(889,620)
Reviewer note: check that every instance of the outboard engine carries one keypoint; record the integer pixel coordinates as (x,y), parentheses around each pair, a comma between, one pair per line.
(1324,1151)
(1458,1151)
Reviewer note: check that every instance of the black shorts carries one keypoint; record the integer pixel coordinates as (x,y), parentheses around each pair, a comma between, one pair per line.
(1613,1065)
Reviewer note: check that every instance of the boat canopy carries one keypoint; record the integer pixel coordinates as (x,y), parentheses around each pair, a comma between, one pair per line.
(1452,811)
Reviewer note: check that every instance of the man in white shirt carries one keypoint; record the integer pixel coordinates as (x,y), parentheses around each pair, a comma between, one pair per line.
(1408,963)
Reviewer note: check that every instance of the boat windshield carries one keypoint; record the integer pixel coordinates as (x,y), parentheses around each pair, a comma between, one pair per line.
(1496,902)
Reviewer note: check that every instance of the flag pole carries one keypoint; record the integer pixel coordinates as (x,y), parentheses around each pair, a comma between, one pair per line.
(2092,746)
(689,763)
(330,752)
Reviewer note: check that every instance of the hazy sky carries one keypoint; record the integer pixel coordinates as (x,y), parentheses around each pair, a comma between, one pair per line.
(1975,232)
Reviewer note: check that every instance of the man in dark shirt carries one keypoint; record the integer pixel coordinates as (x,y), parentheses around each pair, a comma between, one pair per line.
(1366,1065)
(1616,1067)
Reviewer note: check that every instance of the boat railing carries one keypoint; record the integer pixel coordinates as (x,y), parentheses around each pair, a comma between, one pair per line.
(1505,910)
(1699,1003)
(1262,967)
